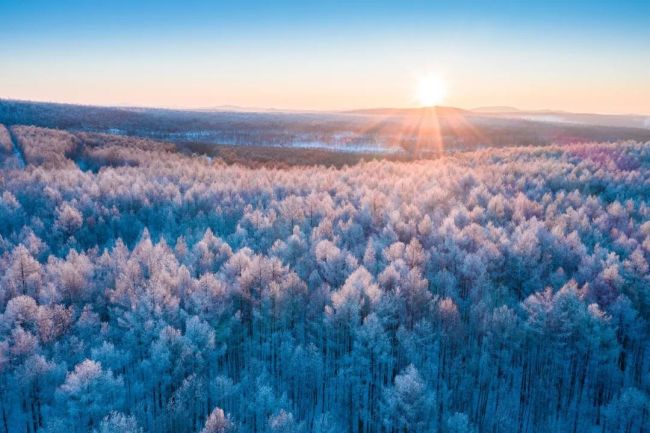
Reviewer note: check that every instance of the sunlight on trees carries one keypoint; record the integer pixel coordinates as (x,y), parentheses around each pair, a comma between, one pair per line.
(142,290)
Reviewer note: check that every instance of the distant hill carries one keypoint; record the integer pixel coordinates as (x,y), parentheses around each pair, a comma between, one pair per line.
(368,131)
(495,109)
(563,117)
(437,110)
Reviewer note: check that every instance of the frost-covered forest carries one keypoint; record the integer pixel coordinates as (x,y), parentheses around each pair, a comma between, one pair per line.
(374,131)
(500,291)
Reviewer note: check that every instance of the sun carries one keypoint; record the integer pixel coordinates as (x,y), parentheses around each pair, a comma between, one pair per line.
(431,91)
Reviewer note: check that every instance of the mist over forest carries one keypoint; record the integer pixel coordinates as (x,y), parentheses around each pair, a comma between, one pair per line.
(403,133)
(151,283)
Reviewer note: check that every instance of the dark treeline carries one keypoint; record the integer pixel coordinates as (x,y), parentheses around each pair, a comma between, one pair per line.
(497,291)
(412,132)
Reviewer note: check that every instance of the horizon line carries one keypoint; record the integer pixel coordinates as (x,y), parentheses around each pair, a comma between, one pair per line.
(254,109)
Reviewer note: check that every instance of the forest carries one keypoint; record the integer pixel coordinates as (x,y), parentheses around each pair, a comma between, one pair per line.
(142,289)
(405,132)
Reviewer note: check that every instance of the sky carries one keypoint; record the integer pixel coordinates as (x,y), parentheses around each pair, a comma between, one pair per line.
(582,56)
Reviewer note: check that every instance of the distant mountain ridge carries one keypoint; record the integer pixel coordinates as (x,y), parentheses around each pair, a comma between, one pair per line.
(495,109)
(437,110)
(375,130)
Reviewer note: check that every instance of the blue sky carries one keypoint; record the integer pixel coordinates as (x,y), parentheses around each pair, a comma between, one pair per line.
(579,56)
